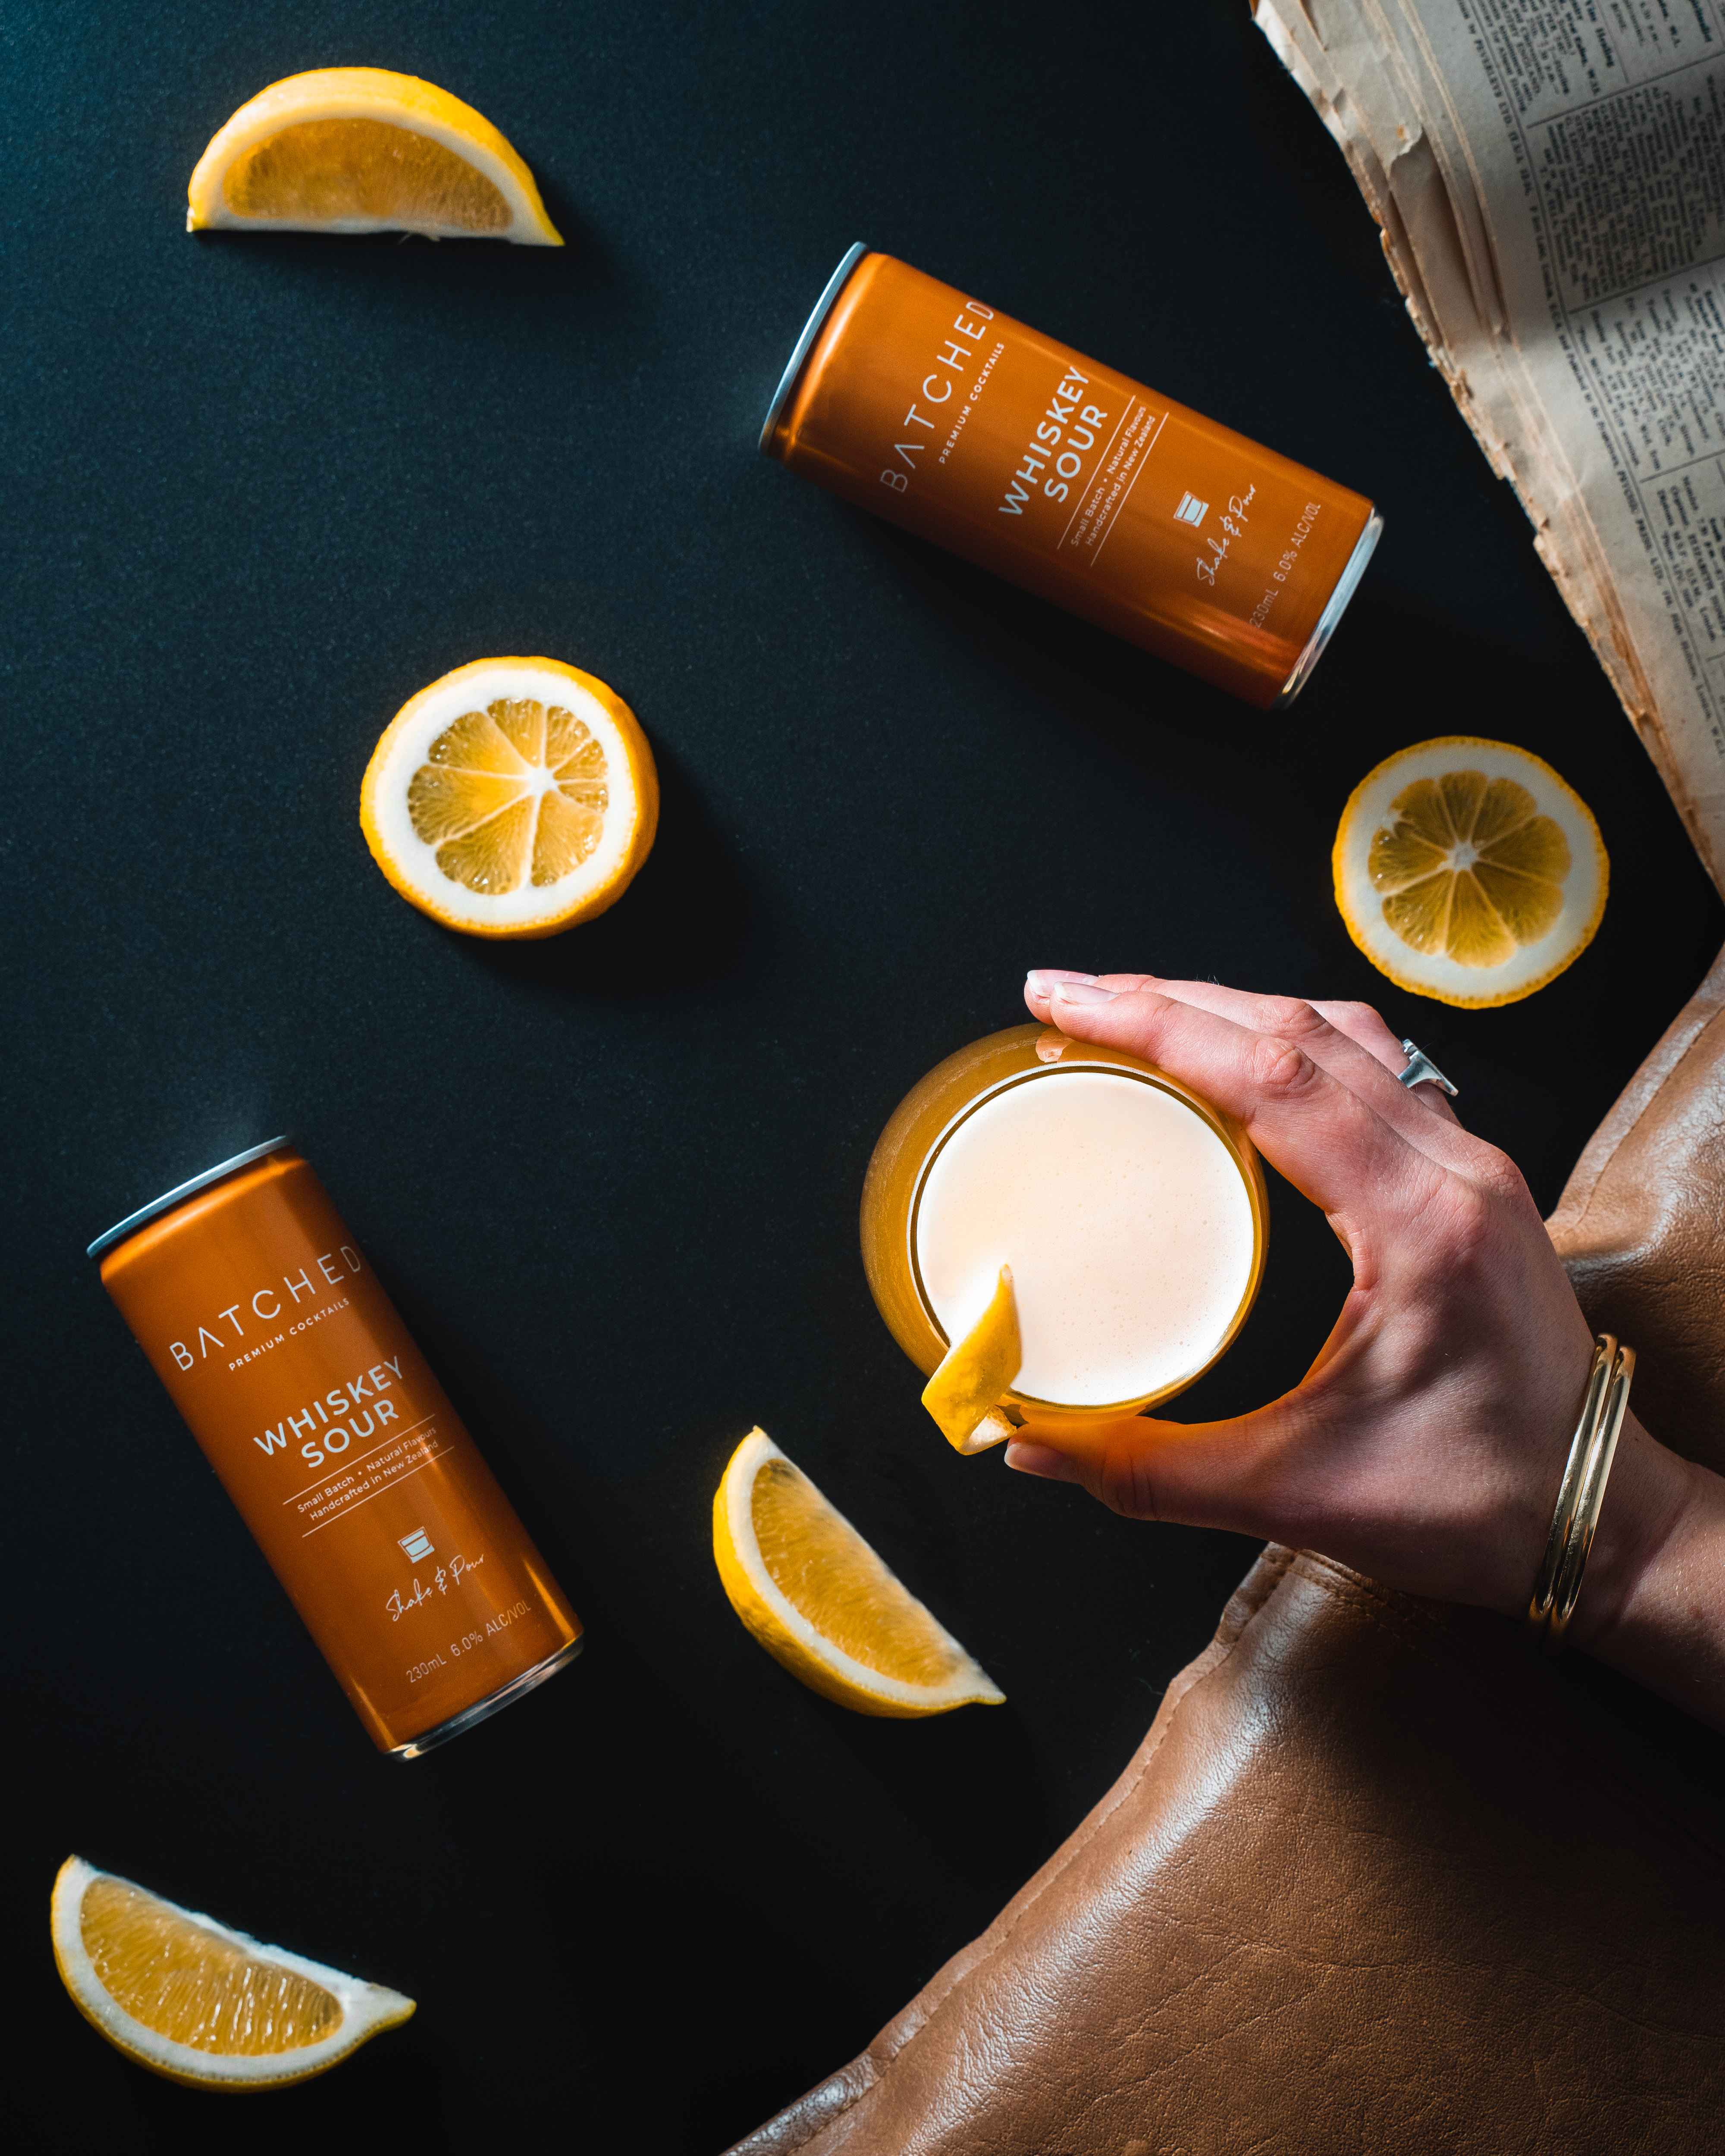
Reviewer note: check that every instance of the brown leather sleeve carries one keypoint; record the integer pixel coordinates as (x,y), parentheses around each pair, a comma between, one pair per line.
(1642,1227)
(1379,1878)
(1376,1880)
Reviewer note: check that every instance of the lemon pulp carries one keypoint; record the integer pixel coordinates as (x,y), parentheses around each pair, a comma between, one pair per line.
(1469,869)
(191,1985)
(824,1568)
(820,1601)
(323,170)
(515,791)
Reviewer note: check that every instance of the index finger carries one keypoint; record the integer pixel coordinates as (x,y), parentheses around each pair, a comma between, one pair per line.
(1331,1144)
(1350,1040)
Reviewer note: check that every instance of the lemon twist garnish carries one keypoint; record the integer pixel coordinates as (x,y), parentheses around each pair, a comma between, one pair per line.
(976,1372)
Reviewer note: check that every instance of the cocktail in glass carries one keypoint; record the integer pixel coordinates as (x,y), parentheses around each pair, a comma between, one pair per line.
(1131,1212)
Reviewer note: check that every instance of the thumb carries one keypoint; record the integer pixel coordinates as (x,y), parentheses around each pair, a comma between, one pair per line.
(1203,1475)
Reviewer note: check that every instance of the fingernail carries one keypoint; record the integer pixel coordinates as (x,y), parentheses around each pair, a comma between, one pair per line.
(1041,981)
(1080,992)
(1041,1460)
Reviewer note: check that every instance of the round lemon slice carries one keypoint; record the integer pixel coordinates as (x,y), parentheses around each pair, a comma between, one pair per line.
(190,1998)
(1469,871)
(361,149)
(820,1600)
(513,798)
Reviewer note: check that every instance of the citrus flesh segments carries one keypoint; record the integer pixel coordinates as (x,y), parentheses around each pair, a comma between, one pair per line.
(820,1601)
(191,1998)
(1468,870)
(512,797)
(359,149)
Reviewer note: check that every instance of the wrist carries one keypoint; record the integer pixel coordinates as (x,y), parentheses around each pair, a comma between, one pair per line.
(1649,1506)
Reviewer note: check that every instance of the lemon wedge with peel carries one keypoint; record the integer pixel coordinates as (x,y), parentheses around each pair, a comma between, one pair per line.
(512,797)
(965,1393)
(190,1998)
(1468,870)
(356,149)
(819,1601)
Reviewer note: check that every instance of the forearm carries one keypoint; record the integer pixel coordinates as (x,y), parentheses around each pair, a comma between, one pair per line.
(1657,1577)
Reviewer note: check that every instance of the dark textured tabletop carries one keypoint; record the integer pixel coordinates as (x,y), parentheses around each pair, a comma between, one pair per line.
(259,490)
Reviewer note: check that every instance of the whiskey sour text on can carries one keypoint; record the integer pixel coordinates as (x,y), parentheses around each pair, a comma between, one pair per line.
(1131,1212)
(932,409)
(328,1431)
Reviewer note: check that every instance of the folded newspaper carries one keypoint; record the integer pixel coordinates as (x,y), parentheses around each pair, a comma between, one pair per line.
(1549,176)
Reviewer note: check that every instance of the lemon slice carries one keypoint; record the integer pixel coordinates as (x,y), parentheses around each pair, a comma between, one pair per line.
(964,1393)
(361,149)
(1469,871)
(820,1600)
(513,798)
(190,1998)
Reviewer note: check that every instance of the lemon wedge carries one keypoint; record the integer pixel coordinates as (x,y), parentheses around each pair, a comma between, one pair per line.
(358,149)
(512,797)
(819,1601)
(1468,870)
(190,1998)
(964,1393)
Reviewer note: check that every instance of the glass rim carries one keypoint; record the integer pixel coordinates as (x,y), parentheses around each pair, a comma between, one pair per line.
(1106,1065)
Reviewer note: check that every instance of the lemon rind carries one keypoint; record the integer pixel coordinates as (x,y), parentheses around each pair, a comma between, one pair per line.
(1580,824)
(399,101)
(976,1374)
(367,2009)
(762,1605)
(410,863)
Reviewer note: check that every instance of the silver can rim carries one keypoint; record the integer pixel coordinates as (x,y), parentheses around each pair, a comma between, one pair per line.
(169,1198)
(811,329)
(1347,584)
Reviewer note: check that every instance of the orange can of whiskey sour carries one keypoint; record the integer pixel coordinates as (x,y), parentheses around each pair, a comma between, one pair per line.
(932,409)
(329,1433)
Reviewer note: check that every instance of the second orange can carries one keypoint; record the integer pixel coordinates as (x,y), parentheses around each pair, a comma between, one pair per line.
(248,1292)
(931,407)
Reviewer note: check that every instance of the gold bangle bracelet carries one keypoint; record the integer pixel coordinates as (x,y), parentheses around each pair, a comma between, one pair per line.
(1581,1494)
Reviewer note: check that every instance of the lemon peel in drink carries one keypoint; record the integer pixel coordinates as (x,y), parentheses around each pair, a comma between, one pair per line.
(977,1372)
(201,2003)
(512,797)
(1468,870)
(822,1603)
(356,149)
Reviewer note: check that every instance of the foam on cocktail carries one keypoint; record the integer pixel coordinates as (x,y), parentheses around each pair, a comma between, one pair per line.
(1124,1217)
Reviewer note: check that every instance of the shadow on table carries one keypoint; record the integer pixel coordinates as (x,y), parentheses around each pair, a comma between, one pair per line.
(684,922)
(472,276)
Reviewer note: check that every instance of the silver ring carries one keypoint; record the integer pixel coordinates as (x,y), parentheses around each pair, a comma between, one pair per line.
(1421,1071)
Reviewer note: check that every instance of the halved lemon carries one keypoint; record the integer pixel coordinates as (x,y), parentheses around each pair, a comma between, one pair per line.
(819,1599)
(1468,870)
(357,149)
(513,798)
(190,1998)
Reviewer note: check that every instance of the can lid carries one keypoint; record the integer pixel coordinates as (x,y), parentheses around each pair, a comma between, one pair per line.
(171,1198)
(811,329)
(1346,586)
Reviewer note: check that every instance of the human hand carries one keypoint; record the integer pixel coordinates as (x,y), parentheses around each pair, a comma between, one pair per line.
(1426,1443)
